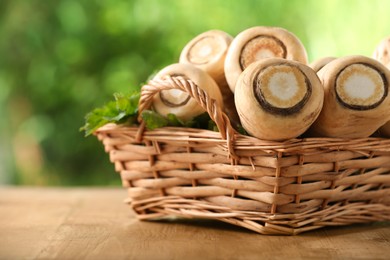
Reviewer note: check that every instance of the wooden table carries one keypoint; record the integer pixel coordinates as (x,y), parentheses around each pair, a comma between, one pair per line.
(93,223)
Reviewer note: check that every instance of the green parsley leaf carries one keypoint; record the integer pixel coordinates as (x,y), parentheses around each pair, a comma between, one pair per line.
(123,109)
(153,120)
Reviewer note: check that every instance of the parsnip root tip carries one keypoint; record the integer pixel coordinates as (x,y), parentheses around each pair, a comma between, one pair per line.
(360,87)
(282,89)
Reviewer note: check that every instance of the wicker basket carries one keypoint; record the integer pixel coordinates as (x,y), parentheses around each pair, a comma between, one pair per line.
(268,187)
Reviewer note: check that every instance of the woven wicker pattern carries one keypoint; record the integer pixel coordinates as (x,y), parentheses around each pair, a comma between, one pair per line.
(269,187)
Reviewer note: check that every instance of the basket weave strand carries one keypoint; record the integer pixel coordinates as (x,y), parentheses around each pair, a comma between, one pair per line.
(210,105)
(269,187)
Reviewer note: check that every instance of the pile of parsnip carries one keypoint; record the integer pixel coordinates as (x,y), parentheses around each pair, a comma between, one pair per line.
(263,80)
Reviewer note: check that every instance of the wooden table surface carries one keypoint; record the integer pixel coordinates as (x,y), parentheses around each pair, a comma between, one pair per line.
(94,223)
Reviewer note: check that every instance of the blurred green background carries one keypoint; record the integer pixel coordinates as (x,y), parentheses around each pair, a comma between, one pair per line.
(61,58)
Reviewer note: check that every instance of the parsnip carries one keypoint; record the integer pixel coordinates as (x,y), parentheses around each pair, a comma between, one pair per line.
(207,51)
(318,64)
(278,99)
(382,52)
(258,43)
(356,99)
(179,102)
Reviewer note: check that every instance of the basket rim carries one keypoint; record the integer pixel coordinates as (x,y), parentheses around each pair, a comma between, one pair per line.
(170,133)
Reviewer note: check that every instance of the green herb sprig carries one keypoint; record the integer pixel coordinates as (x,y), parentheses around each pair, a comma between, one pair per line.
(124,110)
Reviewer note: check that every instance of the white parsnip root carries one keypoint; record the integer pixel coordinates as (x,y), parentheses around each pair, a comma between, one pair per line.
(382,52)
(278,99)
(318,64)
(258,43)
(356,100)
(180,103)
(207,51)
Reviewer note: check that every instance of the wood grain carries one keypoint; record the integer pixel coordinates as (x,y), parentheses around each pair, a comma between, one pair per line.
(93,223)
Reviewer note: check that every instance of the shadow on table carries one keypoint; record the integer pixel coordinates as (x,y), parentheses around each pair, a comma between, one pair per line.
(203,223)
(348,229)
(328,230)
